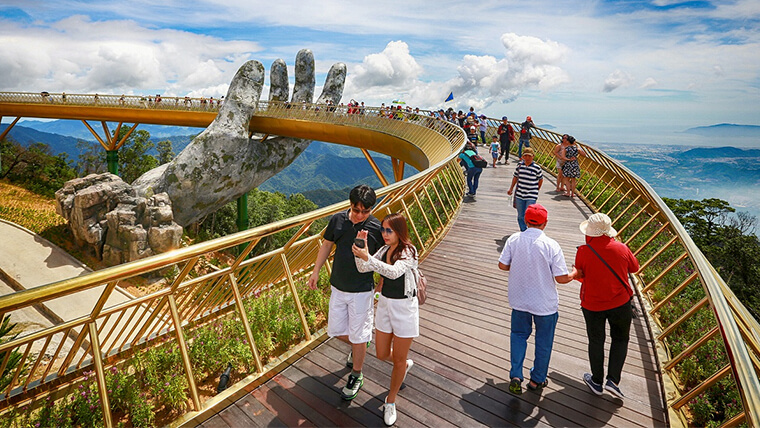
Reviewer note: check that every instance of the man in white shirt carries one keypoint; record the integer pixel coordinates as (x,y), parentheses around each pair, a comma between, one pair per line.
(535,262)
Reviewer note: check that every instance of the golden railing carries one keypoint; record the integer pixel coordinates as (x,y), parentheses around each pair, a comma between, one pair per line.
(708,343)
(54,361)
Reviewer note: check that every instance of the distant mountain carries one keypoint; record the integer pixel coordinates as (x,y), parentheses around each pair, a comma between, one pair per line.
(325,166)
(726,130)
(63,143)
(58,143)
(75,128)
(717,153)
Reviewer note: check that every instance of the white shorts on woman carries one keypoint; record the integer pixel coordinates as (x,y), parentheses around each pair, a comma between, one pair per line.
(398,316)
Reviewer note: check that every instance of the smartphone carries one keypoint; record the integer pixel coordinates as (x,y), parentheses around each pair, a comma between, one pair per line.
(359,242)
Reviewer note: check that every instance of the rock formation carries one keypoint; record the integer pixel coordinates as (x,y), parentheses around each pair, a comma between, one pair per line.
(106,214)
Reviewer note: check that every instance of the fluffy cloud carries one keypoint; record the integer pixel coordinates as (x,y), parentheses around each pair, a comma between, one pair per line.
(76,54)
(615,80)
(394,67)
(481,80)
(649,83)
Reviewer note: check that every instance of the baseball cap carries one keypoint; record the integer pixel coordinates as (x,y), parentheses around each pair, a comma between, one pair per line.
(504,118)
(529,118)
(536,214)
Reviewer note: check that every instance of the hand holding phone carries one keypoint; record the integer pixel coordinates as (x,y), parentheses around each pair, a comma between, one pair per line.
(359,242)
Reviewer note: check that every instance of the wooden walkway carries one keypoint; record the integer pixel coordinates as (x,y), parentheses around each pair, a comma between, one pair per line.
(461,360)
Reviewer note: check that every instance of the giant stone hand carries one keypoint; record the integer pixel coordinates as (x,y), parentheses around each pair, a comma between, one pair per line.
(222,163)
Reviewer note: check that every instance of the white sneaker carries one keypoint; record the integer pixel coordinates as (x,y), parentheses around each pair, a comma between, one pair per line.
(389,413)
(409,364)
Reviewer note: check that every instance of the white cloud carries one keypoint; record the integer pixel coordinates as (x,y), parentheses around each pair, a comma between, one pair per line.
(615,80)
(394,66)
(648,83)
(481,80)
(76,54)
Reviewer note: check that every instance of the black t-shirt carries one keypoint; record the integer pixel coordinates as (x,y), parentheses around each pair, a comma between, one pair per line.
(340,230)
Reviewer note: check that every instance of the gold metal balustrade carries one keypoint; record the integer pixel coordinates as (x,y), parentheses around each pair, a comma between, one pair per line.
(111,334)
(707,341)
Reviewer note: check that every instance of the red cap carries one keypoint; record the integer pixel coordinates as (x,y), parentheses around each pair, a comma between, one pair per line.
(530,118)
(536,214)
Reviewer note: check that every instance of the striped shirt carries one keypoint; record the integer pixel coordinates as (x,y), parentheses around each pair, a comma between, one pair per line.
(528,178)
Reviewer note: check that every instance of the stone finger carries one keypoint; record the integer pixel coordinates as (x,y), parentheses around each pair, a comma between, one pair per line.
(303,90)
(334,83)
(241,100)
(279,87)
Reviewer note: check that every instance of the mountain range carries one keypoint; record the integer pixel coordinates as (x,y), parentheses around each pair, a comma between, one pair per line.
(325,171)
(726,130)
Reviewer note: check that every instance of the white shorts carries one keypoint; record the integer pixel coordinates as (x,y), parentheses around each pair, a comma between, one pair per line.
(350,315)
(398,316)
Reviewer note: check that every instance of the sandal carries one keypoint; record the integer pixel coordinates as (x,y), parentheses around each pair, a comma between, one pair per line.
(534,386)
(515,386)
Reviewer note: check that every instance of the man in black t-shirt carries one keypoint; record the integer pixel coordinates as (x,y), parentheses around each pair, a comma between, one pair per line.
(350,315)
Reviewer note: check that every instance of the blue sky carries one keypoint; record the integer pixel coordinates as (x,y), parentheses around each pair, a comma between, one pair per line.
(622,71)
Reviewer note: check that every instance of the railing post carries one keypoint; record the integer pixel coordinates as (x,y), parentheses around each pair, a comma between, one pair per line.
(183,351)
(100,374)
(246,325)
(296,299)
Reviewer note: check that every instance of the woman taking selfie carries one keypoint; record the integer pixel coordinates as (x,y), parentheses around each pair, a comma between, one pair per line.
(397,319)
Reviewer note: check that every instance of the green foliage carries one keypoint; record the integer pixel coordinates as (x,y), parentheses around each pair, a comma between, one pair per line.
(263,208)
(15,357)
(91,159)
(728,241)
(165,151)
(35,167)
(134,159)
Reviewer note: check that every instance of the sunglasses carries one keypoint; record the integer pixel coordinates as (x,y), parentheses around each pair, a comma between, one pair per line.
(386,230)
(358,211)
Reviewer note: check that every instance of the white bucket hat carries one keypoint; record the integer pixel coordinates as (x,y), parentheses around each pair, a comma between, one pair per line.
(597,225)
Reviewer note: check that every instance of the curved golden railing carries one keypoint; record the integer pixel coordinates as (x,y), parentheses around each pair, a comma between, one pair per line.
(708,343)
(54,361)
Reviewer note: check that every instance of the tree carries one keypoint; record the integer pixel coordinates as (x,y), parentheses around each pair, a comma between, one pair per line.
(91,160)
(728,242)
(36,168)
(165,151)
(134,159)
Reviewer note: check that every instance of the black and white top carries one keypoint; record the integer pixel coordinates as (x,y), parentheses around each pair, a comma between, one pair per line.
(403,267)
(528,178)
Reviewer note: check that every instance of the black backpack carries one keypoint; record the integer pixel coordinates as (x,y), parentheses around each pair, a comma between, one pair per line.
(478,161)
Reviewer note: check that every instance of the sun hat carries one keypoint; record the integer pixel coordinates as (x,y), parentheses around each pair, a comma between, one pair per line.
(597,225)
(536,214)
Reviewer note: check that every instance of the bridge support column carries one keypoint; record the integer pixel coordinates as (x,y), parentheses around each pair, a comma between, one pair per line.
(242,217)
(112,160)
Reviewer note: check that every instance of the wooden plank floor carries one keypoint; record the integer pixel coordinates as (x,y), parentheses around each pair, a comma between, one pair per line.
(461,360)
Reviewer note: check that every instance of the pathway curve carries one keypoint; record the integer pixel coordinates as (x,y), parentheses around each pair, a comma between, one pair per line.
(461,371)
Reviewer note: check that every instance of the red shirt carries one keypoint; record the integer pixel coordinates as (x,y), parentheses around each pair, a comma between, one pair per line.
(600,289)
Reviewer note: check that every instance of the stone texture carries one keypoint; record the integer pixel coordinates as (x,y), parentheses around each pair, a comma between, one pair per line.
(105,214)
(222,163)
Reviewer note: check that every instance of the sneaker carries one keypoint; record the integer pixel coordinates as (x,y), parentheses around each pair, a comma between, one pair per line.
(350,359)
(515,386)
(389,413)
(409,364)
(352,387)
(596,388)
(611,387)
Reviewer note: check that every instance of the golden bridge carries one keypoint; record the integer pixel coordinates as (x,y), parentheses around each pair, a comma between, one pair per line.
(694,341)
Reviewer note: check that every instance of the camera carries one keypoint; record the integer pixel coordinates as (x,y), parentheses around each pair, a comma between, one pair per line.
(359,242)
